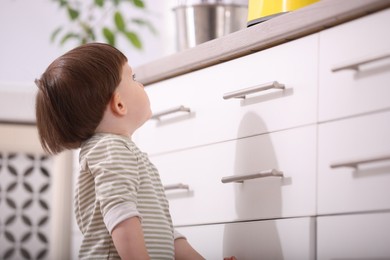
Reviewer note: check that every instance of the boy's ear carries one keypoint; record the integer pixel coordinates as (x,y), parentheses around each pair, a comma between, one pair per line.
(118,107)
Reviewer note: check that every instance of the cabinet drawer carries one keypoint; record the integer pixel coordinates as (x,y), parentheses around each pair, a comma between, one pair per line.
(214,119)
(208,200)
(359,88)
(270,239)
(365,236)
(354,183)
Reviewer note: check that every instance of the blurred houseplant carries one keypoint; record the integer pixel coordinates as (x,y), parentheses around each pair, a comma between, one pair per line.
(88,21)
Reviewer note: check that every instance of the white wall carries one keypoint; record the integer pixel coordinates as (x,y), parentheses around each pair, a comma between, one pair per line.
(25,28)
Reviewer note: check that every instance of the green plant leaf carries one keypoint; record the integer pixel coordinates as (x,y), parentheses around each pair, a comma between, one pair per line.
(86,30)
(133,37)
(89,33)
(73,13)
(99,3)
(92,35)
(63,2)
(55,33)
(109,35)
(139,3)
(142,22)
(84,40)
(119,21)
(69,36)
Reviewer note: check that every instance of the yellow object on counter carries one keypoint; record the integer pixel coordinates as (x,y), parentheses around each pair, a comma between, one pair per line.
(261,10)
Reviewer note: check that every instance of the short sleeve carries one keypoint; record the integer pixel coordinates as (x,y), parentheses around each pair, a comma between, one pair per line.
(177,235)
(115,171)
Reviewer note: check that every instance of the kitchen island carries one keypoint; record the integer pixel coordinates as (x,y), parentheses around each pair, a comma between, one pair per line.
(284,28)
(273,142)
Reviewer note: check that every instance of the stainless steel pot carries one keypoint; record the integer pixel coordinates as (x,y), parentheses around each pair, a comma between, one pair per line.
(199,23)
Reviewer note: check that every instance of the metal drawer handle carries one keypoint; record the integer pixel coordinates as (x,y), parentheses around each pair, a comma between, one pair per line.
(170,111)
(355,164)
(262,174)
(243,92)
(176,186)
(355,65)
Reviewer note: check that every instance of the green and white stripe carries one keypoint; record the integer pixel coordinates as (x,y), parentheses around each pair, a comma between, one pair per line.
(117,181)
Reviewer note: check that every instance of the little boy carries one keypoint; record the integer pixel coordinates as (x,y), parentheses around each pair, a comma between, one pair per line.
(88,98)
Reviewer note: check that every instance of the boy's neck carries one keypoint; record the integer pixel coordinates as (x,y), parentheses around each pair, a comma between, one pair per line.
(114,124)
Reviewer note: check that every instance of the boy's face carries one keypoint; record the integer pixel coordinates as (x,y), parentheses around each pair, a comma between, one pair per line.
(134,96)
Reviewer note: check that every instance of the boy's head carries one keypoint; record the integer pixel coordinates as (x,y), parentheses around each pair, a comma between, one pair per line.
(73,94)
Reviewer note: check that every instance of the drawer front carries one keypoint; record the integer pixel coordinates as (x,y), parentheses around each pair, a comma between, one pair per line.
(270,239)
(214,119)
(208,200)
(367,87)
(346,143)
(365,236)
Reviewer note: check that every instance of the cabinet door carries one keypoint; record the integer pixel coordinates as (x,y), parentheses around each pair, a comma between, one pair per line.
(208,200)
(214,119)
(365,236)
(270,239)
(362,48)
(354,164)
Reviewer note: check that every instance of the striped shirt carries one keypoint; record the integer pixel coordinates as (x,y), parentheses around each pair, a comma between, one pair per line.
(117,181)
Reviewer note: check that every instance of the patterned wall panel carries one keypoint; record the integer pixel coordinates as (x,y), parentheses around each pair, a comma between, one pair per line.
(25,197)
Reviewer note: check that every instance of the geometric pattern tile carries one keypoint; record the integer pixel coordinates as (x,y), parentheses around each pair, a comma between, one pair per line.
(25,197)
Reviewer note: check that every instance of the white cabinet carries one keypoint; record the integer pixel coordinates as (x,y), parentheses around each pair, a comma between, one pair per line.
(360,236)
(269,239)
(354,164)
(270,130)
(214,119)
(353,195)
(208,200)
(361,48)
(312,131)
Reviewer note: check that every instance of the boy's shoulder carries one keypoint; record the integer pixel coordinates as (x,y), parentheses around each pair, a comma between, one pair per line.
(107,143)
(107,139)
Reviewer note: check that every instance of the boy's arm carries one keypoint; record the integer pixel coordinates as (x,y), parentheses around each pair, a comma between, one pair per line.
(129,240)
(184,251)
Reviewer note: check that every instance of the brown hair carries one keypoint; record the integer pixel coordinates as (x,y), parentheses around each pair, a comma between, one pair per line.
(73,94)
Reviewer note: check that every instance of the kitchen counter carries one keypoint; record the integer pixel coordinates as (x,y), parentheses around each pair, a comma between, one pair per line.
(283,28)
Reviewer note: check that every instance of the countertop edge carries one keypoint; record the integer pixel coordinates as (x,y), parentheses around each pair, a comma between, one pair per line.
(283,28)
